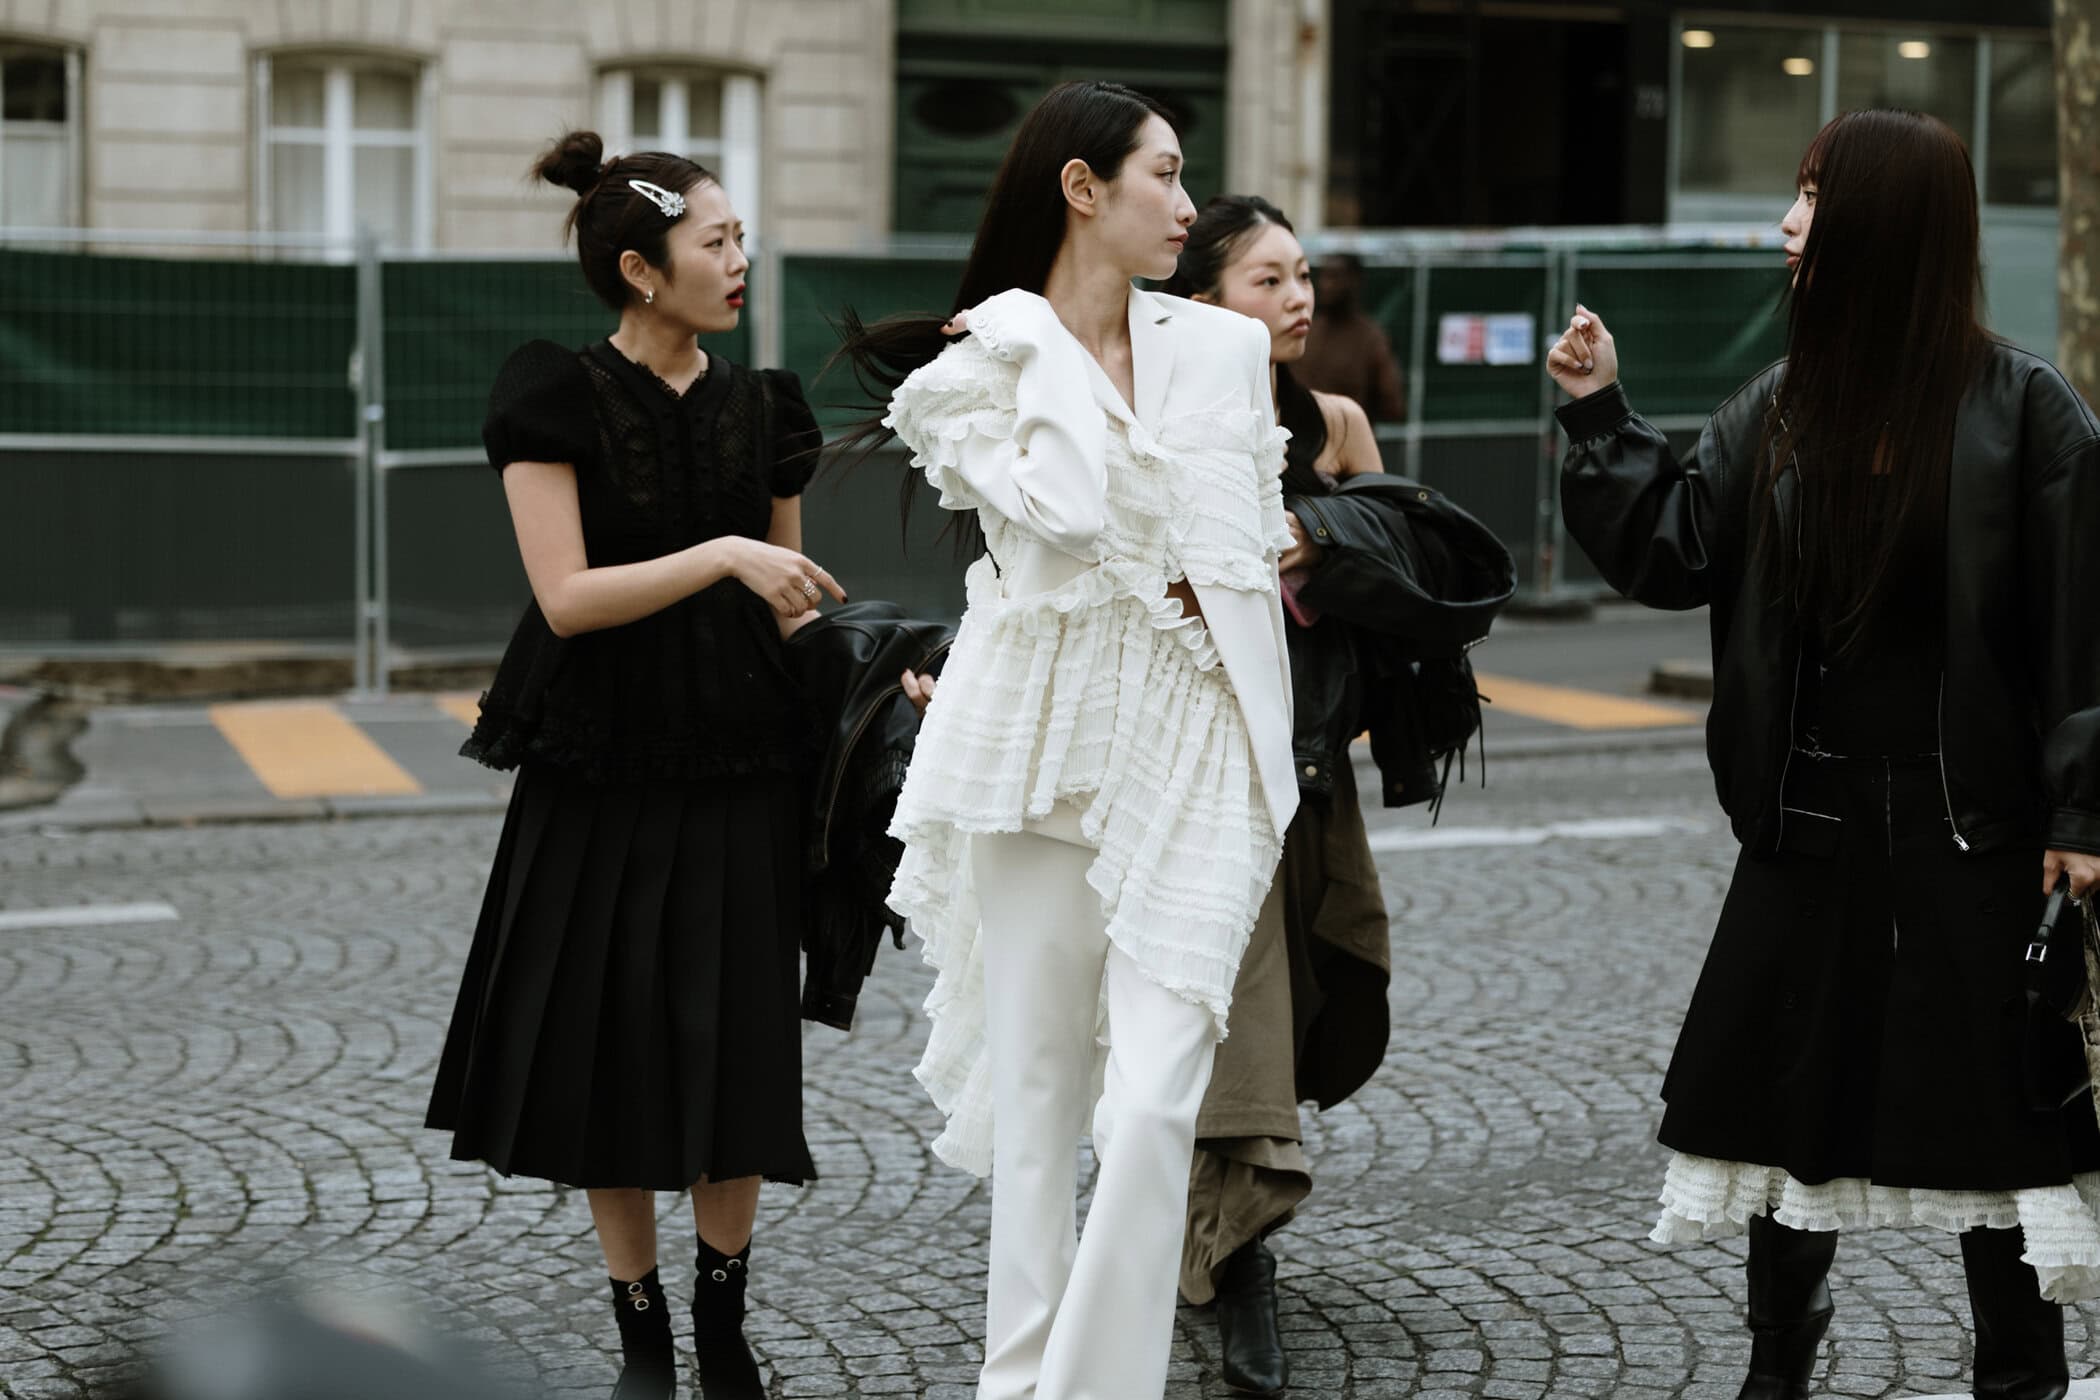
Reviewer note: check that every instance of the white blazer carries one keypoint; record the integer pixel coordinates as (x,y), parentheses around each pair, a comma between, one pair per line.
(1051,477)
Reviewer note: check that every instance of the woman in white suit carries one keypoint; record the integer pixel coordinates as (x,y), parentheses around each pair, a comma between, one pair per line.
(1097,801)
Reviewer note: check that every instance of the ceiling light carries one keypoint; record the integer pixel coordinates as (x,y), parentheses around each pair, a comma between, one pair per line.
(1698,38)
(1914,48)
(1799,67)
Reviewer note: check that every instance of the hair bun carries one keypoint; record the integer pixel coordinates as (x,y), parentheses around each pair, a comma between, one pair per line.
(574,162)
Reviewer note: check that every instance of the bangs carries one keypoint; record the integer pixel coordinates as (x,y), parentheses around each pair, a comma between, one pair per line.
(1810,175)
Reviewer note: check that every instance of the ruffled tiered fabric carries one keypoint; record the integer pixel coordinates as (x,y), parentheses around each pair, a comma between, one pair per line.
(1099,694)
(1705,1199)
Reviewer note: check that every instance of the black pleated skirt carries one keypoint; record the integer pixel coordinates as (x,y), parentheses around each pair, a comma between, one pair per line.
(1860,1013)
(630,1014)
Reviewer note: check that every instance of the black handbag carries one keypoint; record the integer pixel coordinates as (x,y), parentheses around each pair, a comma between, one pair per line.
(2052,1047)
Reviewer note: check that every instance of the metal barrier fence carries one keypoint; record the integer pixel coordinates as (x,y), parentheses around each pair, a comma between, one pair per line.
(272,441)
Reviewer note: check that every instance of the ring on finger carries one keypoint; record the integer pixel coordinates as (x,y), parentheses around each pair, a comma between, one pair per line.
(809,590)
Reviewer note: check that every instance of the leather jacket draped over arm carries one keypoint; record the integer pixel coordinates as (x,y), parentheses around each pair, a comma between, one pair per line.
(848,664)
(1405,576)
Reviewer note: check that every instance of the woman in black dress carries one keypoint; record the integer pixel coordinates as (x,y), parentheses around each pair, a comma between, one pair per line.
(629,1019)
(1895,531)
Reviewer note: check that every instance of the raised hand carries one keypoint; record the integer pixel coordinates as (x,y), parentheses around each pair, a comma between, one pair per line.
(1585,358)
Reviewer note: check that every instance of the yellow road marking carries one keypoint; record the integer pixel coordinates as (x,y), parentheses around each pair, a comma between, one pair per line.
(462,705)
(1579,709)
(306,749)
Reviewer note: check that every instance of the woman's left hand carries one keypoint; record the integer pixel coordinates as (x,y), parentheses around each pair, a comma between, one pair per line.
(1303,554)
(919,690)
(2083,869)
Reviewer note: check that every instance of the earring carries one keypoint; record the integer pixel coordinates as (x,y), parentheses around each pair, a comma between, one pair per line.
(649,297)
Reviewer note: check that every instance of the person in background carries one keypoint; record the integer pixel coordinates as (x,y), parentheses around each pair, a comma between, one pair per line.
(1347,352)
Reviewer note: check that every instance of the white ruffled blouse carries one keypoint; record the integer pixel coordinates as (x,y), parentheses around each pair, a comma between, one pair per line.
(1076,682)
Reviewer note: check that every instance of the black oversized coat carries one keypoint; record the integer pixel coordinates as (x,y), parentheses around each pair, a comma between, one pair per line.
(1858,1015)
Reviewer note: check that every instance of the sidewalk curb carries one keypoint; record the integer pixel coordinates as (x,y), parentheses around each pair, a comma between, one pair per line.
(1677,739)
(201,672)
(117,813)
(1604,741)
(1688,680)
(128,814)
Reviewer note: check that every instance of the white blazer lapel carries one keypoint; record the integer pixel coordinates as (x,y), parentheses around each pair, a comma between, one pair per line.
(1152,346)
(1105,392)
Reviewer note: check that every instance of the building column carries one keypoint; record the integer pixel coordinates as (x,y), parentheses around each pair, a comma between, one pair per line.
(1276,87)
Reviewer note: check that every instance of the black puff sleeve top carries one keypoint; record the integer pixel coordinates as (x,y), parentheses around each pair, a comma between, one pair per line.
(699,690)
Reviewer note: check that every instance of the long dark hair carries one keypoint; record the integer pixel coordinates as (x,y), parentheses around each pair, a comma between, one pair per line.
(1221,231)
(1883,341)
(1017,239)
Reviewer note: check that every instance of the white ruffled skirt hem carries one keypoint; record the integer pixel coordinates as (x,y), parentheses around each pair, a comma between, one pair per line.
(1103,696)
(1707,1199)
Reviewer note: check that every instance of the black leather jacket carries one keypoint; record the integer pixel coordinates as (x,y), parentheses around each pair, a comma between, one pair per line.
(1404,576)
(848,664)
(2020,695)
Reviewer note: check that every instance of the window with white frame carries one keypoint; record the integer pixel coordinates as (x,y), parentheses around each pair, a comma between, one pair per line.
(709,117)
(343,148)
(39,136)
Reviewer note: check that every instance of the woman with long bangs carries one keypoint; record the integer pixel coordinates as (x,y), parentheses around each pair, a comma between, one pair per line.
(1093,815)
(1894,530)
(1309,1013)
(630,1020)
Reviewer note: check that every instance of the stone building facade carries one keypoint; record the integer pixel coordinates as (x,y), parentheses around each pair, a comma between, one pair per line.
(418,117)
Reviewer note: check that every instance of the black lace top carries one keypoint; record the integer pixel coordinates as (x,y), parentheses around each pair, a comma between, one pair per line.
(698,690)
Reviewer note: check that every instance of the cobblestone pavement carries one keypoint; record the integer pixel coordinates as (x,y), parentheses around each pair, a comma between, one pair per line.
(195,1107)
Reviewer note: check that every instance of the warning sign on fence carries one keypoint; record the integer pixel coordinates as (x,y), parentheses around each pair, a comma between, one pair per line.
(1464,338)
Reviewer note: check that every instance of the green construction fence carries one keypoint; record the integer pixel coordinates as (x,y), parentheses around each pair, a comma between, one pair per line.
(180,437)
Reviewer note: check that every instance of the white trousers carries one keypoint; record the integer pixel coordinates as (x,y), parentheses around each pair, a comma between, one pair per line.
(1071,1316)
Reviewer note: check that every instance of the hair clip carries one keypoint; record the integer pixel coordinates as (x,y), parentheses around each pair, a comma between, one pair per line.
(671,205)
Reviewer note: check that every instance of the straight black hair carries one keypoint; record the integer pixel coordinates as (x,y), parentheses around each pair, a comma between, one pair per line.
(1883,341)
(1017,241)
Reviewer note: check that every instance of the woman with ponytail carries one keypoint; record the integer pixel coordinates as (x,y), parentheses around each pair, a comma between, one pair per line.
(1093,815)
(629,1021)
(1894,529)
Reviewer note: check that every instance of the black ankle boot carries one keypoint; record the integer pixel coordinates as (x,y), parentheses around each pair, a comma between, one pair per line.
(1789,1308)
(1247,1332)
(728,1371)
(650,1371)
(2019,1333)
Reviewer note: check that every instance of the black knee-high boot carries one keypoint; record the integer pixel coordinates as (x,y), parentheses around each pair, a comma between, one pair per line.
(2019,1333)
(650,1371)
(728,1371)
(1789,1307)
